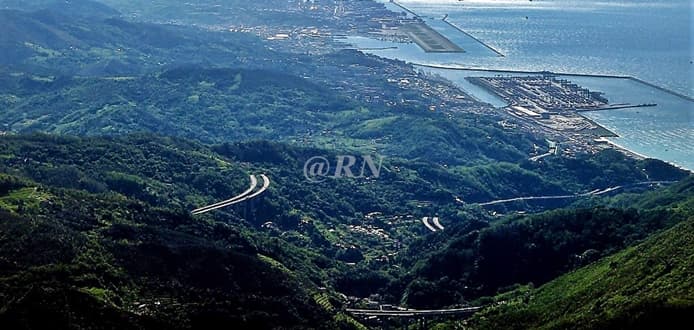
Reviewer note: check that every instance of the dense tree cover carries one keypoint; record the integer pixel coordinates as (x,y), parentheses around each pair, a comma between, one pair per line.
(267,94)
(129,79)
(646,286)
(185,174)
(216,105)
(209,105)
(96,231)
(479,259)
(181,175)
(613,164)
(85,260)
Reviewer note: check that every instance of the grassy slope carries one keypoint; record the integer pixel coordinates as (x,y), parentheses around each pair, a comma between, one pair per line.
(639,287)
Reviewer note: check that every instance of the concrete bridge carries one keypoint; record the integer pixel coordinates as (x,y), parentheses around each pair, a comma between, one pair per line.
(404,316)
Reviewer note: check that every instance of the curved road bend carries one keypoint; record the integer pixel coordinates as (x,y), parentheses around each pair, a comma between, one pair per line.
(266,184)
(239,198)
(437,223)
(254,183)
(425,220)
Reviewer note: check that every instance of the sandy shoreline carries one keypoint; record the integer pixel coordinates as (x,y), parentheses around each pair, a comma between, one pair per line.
(642,156)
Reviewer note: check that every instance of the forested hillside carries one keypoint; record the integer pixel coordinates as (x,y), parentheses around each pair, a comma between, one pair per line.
(479,258)
(119,117)
(646,286)
(94,260)
(111,202)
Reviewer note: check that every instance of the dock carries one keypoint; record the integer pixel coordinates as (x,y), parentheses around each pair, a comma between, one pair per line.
(567,74)
(538,95)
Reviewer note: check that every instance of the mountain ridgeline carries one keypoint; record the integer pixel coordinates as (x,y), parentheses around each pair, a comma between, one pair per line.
(118,118)
(643,287)
(117,208)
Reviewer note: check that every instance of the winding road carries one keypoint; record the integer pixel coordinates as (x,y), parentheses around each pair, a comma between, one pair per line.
(246,195)
(435,220)
(595,192)
(426,223)
(437,223)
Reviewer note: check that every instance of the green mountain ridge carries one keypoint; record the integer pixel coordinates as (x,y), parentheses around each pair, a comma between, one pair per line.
(476,258)
(115,213)
(643,287)
(60,40)
(119,117)
(112,261)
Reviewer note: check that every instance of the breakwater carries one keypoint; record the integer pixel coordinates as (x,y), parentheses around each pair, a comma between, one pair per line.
(404,8)
(498,53)
(568,74)
(618,106)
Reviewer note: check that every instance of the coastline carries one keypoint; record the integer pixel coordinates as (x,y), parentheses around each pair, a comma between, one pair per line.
(637,155)
(568,74)
(607,137)
(607,133)
(610,132)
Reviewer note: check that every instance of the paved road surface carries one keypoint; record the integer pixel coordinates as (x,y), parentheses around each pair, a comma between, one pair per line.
(595,192)
(437,223)
(425,220)
(254,183)
(238,198)
(412,312)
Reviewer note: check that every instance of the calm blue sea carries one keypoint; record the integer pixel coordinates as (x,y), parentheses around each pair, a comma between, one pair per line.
(651,40)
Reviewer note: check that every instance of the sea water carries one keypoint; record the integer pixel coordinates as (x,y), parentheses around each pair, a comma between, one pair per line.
(650,40)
